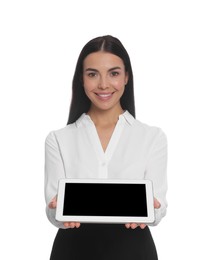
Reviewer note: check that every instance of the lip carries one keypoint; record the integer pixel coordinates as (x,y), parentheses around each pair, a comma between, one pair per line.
(104,96)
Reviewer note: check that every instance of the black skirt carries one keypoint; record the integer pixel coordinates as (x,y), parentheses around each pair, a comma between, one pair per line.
(103,242)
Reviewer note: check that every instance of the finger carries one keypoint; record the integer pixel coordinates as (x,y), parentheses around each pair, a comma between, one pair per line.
(133,225)
(157,204)
(68,224)
(77,224)
(53,203)
(127,225)
(142,226)
(71,224)
(50,205)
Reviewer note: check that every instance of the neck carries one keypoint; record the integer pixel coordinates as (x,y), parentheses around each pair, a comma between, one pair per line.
(105,117)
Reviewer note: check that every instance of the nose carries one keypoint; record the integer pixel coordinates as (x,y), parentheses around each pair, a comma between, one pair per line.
(103,83)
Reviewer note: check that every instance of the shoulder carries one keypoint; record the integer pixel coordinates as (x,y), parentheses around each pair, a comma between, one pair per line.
(152,136)
(64,132)
(61,131)
(152,130)
(53,137)
(144,130)
(147,128)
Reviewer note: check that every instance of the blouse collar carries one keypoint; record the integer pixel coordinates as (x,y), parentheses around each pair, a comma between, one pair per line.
(85,119)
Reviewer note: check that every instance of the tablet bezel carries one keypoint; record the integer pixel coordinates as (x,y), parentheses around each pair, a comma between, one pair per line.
(105,219)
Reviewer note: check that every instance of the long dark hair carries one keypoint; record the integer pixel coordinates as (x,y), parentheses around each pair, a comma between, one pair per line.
(80,103)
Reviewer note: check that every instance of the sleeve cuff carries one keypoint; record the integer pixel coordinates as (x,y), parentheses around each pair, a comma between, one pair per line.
(159,214)
(51,217)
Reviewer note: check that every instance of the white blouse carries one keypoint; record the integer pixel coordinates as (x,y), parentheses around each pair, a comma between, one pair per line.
(135,151)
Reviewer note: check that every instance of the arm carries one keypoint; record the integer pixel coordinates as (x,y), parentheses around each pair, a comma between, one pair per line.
(157,172)
(54,171)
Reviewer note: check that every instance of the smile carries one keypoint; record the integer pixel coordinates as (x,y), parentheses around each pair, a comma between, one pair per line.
(104,96)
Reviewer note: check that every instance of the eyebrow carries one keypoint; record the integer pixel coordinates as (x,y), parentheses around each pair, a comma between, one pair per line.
(114,68)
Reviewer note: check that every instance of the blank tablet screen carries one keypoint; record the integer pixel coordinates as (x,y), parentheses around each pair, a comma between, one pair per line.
(105,199)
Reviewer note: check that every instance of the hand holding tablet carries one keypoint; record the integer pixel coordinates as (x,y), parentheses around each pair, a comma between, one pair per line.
(105,201)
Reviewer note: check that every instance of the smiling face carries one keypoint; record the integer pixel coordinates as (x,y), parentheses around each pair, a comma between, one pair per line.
(104,79)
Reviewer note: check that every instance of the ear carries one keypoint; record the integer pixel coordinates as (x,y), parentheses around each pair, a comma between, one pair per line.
(126,78)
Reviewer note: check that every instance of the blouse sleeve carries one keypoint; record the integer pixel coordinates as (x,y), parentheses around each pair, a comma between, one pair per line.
(157,172)
(54,170)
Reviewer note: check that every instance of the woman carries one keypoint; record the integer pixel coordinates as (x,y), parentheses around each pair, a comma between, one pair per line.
(103,139)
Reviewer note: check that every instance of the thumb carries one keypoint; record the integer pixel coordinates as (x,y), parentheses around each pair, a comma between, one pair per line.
(157,204)
(53,203)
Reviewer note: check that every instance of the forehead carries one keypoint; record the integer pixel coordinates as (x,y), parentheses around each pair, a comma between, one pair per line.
(102,60)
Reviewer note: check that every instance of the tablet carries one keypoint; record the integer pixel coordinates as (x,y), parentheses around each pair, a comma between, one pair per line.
(105,200)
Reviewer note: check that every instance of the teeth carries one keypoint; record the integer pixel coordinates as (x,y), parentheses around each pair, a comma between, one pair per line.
(104,95)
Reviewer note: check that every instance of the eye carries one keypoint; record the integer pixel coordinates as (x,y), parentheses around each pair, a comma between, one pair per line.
(114,73)
(92,74)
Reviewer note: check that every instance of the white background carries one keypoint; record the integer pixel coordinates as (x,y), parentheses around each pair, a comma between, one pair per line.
(39,45)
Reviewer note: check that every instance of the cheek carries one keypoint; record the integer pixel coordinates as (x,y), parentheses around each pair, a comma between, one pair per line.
(88,85)
(119,85)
